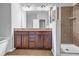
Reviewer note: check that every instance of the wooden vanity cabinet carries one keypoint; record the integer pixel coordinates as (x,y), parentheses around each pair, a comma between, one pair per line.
(33,39)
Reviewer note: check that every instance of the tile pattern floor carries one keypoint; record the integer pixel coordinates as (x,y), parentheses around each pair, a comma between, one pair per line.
(30,52)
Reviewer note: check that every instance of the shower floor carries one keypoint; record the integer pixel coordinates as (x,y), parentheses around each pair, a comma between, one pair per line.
(69,48)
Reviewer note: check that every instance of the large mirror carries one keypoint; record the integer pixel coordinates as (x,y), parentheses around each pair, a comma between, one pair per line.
(37,15)
(36,19)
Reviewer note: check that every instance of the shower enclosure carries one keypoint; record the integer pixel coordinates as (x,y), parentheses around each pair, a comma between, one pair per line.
(69,30)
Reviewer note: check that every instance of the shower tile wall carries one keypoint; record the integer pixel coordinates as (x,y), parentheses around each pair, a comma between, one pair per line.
(76,25)
(66,25)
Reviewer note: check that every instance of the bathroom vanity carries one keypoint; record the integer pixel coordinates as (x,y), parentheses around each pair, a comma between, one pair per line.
(33,38)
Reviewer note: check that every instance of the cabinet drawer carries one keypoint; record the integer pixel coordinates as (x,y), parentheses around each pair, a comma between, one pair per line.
(31,44)
(32,33)
(39,44)
(31,39)
(32,36)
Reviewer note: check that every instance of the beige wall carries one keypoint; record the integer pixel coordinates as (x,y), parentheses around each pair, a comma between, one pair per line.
(76,25)
(66,25)
(70,28)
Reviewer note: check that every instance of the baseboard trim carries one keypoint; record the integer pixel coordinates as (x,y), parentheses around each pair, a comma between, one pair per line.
(52,52)
(11,50)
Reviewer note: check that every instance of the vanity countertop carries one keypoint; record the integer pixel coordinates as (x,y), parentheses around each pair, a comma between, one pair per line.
(33,29)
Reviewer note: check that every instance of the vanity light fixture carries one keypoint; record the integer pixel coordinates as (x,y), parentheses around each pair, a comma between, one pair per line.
(42,6)
(28,6)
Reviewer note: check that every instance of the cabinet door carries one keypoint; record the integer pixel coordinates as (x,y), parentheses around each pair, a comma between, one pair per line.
(39,41)
(24,40)
(17,40)
(48,40)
